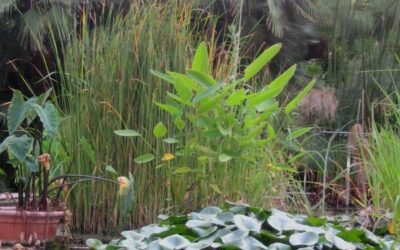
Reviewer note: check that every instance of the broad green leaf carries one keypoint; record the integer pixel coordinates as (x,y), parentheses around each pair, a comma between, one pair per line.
(268,105)
(144,158)
(2,172)
(18,110)
(352,235)
(41,99)
(170,140)
(297,133)
(316,221)
(180,99)
(127,133)
(236,98)
(49,117)
(202,79)
(259,98)
(163,76)
(185,80)
(209,103)
(19,147)
(261,61)
(304,239)
(282,80)
(160,130)
(293,103)
(169,108)
(207,93)
(174,242)
(224,158)
(111,169)
(182,170)
(200,59)
(32,165)
(179,123)
(337,241)
(183,92)
(273,89)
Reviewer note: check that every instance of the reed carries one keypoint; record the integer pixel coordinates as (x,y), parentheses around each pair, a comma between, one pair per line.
(106,85)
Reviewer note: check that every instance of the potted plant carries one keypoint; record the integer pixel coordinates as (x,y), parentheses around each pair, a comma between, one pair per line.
(39,211)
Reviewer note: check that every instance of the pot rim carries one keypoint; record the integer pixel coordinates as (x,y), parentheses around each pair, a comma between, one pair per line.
(13,211)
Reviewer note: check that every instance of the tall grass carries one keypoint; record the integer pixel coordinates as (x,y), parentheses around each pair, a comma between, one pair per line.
(107,85)
(383,163)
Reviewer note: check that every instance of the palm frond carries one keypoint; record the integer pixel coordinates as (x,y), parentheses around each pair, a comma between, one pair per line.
(276,18)
(33,29)
(60,19)
(307,10)
(7,5)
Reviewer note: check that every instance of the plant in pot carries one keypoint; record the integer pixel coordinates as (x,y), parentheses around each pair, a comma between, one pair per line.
(33,126)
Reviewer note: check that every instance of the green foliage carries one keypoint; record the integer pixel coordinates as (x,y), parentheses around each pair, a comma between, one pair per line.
(20,142)
(227,121)
(245,227)
(25,142)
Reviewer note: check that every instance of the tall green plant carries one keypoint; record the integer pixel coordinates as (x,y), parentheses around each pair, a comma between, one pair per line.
(230,126)
(106,85)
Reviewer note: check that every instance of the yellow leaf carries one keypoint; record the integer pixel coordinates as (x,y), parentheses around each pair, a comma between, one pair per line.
(392,227)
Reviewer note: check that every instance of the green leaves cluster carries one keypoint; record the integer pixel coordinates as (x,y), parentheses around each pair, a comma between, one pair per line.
(229,121)
(245,227)
(21,139)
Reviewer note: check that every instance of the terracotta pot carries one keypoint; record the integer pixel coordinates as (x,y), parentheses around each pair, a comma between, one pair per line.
(22,225)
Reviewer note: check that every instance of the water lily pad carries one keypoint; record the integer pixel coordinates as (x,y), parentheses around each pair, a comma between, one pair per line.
(223,219)
(246,223)
(148,230)
(304,239)
(279,246)
(94,243)
(198,223)
(208,213)
(197,246)
(204,232)
(281,222)
(174,242)
(338,242)
(234,236)
(133,235)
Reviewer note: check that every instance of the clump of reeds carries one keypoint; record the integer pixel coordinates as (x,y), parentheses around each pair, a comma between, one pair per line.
(318,107)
